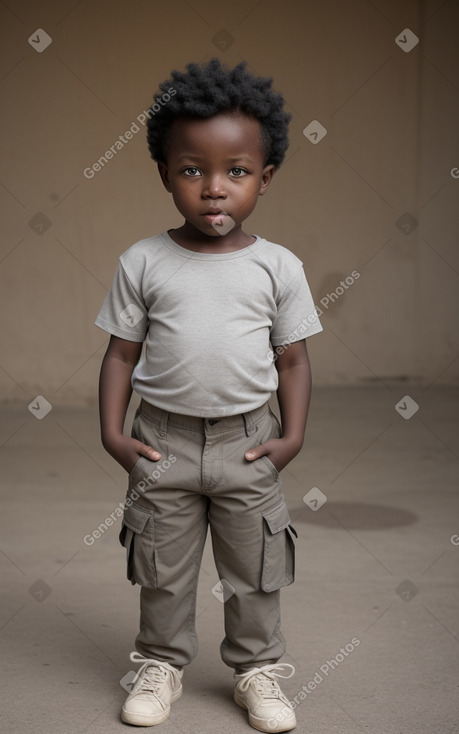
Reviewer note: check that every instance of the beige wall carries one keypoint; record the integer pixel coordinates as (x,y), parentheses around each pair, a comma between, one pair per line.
(392,119)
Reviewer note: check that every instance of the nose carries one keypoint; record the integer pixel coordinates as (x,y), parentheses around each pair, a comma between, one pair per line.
(214,187)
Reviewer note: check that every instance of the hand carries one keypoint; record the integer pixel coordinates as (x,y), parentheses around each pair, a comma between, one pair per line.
(280,452)
(127,451)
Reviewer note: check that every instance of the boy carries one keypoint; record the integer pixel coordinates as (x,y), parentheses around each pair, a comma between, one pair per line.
(209,300)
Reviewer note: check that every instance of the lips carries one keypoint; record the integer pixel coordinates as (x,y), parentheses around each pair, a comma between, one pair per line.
(214,216)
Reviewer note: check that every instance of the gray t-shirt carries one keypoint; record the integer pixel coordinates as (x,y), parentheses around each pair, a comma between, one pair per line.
(209,322)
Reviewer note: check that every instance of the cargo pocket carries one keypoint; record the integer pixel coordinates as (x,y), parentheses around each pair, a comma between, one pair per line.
(278,549)
(137,536)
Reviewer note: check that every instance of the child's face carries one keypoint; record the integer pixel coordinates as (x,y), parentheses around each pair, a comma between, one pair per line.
(215,171)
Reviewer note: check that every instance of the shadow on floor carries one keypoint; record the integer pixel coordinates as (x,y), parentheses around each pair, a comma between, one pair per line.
(354,516)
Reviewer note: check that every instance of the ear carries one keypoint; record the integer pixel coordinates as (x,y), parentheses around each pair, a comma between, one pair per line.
(266,178)
(164,173)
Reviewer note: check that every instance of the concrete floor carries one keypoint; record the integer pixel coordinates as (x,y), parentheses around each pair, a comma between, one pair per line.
(377,564)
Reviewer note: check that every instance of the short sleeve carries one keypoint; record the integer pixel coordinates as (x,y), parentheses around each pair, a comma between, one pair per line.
(123,312)
(296,313)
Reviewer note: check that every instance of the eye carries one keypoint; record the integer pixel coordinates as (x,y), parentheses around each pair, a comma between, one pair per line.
(192,171)
(238,172)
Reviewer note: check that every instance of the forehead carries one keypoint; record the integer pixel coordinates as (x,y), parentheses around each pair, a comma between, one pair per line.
(227,133)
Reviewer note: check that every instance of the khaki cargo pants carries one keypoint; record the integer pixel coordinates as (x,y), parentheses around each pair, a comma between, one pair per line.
(204,479)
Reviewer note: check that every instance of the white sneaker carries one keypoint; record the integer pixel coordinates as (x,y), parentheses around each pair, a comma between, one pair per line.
(258,692)
(156,686)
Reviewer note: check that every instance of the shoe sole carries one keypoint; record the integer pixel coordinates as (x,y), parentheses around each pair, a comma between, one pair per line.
(262,724)
(145,720)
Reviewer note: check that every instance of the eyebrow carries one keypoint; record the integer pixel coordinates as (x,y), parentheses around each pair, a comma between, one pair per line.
(235,159)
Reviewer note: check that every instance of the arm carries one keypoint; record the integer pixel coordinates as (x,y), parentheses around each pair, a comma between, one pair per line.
(114,395)
(293,393)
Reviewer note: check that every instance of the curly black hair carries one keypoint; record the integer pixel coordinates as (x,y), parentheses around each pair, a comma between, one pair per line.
(207,90)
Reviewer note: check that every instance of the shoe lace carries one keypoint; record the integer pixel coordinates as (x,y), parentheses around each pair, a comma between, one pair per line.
(265,680)
(152,674)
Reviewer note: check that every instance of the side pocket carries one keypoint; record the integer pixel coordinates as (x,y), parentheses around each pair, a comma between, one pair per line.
(277,429)
(269,463)
(137,536)
(278,549)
